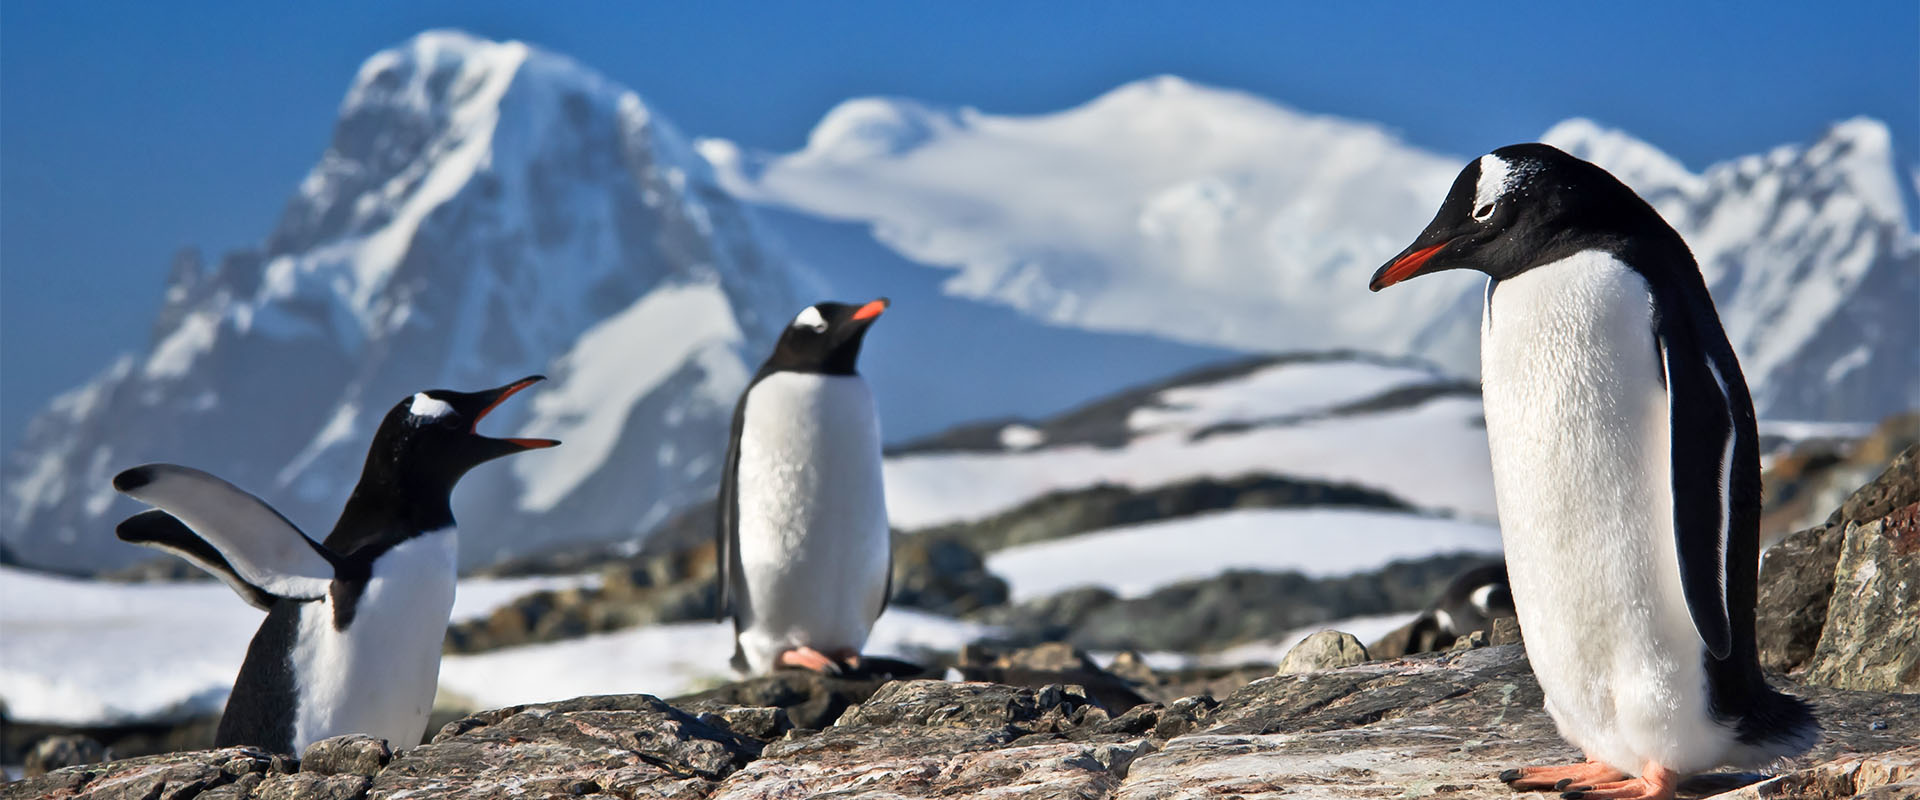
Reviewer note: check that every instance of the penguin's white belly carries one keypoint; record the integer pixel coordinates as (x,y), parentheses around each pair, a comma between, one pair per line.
(1577,421)
(813,545)
(379,676)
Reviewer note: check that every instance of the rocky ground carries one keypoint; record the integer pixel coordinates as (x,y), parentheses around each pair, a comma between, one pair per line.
(1045,722)
(1426,726)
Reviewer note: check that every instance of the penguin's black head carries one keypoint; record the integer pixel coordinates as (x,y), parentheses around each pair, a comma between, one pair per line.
(824,338)
(1519,207)
(430,438)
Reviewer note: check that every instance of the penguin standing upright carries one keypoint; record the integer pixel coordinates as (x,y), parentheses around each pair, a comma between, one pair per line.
(804,549)
(1626,473)
(351,643)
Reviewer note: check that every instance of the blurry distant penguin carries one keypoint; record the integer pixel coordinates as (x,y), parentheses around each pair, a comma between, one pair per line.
(1626,472)
(1471,602)
(803,541)
(351,643)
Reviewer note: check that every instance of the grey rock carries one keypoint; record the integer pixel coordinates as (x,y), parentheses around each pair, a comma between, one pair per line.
(972,705)
(310,786)
(55,752)
(763,724)
(1880,776)
(1440,724)
(630,745)
(173,775)
(809,699)
(1506,630)
(1322,651)
(1472,640)
(1871,639)
(1796,580)
(352,754)
(240,789)
(1797,575)
(933,738)
(1046,664)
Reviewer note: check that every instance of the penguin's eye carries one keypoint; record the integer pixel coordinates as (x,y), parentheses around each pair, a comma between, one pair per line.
(1483,213)
(810,319)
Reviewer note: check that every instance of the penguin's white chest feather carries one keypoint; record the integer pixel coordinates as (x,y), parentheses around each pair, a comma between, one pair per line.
(378,676)
(813,545)
(1577,421)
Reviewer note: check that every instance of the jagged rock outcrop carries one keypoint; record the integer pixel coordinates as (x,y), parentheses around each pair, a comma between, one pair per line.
(1837,601)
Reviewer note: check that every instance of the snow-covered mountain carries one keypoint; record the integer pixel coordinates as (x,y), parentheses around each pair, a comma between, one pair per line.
(1218,217)
(484,211)
(1392,425)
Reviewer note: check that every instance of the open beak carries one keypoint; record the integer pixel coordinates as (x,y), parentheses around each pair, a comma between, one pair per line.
(871,310)
(1405,266)
(494,397)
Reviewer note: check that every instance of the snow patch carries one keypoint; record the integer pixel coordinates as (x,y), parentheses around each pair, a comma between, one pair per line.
(1134,560)
(589,400)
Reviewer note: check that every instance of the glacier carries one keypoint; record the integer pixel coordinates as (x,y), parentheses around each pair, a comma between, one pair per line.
(1217,217)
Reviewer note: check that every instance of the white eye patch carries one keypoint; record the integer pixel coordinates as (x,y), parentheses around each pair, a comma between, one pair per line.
(811,320)
(1496,176)
(1482,598)
(424,406)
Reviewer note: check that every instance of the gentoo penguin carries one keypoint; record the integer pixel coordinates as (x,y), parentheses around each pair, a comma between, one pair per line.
(351,643)
(1626,473)
(804,550)
(1470,602)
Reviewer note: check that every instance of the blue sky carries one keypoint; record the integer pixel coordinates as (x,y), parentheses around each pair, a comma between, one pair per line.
(129,130)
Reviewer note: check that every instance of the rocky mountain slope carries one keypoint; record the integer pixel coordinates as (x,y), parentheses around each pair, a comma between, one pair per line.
(1219,217)
(485,210)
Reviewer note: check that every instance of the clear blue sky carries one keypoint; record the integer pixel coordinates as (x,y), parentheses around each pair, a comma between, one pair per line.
(128,130)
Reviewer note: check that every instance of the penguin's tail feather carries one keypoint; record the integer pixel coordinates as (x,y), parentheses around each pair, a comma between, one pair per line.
(1777,725)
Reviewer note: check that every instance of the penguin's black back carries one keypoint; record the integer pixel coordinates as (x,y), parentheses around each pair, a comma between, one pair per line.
(265,700)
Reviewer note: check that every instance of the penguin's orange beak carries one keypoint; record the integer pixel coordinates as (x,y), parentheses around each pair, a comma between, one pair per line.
(1404,267)
(871,310)
(500,395)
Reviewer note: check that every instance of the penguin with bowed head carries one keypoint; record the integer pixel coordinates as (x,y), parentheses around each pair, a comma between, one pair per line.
(804,551)
(1626,474)
(351,643)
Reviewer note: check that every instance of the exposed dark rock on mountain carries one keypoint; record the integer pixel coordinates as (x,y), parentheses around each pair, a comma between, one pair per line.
(1214,613)
(1061,514)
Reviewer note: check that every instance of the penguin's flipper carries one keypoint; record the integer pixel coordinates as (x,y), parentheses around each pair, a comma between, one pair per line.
(159,530)
(726,545)
(1702,425)
(886,589)
(262,547)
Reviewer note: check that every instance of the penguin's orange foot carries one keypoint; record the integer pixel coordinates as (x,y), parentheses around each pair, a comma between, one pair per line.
(808,658)
(1655,783)
(1536,779)
(848,659)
